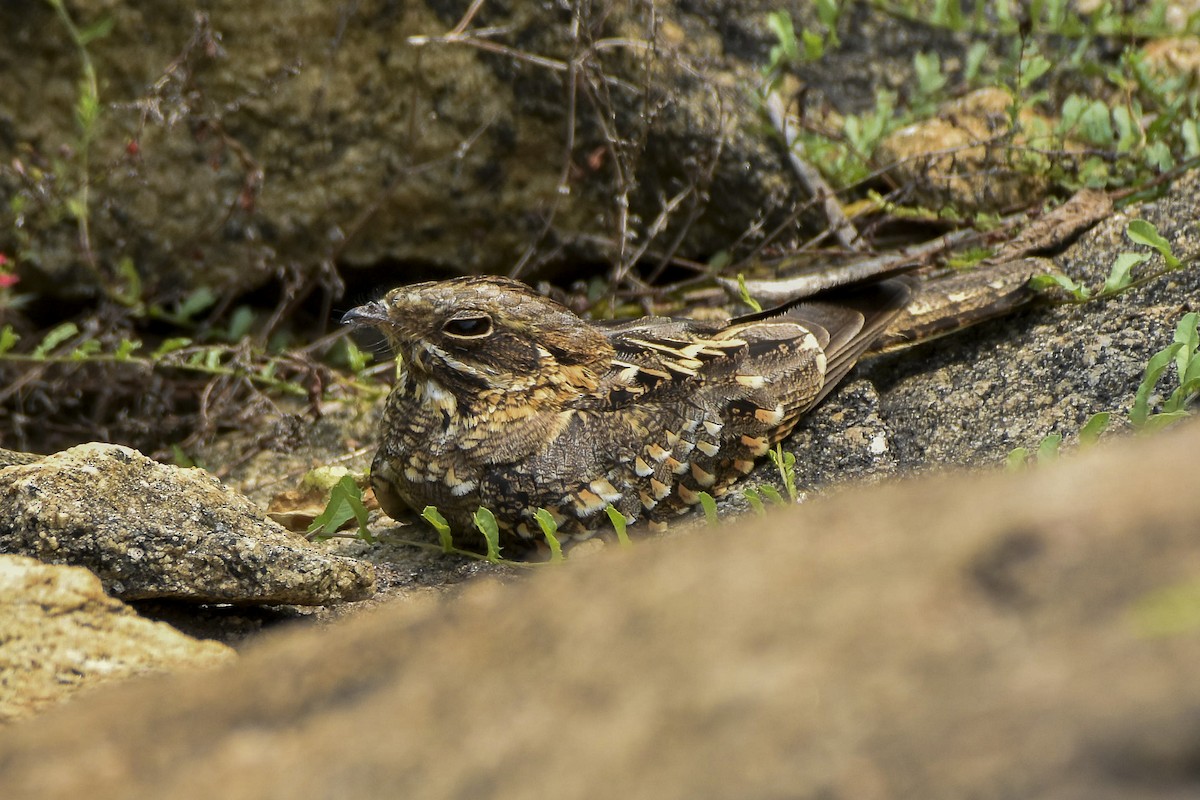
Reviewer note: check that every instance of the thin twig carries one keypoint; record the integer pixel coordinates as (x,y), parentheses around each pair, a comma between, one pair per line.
(466,18)
(811,178)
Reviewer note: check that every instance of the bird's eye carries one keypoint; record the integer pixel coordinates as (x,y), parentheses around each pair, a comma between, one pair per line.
(468,327)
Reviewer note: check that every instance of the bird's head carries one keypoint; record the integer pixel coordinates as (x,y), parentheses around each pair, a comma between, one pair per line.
(482,335)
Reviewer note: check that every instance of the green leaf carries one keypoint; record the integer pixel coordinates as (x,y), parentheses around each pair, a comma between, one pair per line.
(1156,422)
(1049,446)
(1017,459)
(485,521)
(930,78)
(345,503)
(130,293)
(87,106)
(97,30)
(710,508)
(1032,68)
(771,493)
(356,358)
(200,298)
(814,45)
(1187,333)
(1097,424)
(240,322)
(1181,397)
(8,339)
(828,12)
(1128,132)
(1191,375)
(180,458)
(54,338)
(1157,156)
(785,463)
(947,14)
(745,293)
(1142,232)
(1189,131)
(1154,370)
(86,348)
(755,501)
(975,55)
(76,207)
(620,525)
(1072,109)
(1119,275)
(1095,125)
(1191,371)
(549,530)
(170,346)
(1040,283)
(787,50)
(434,517)
(780,23)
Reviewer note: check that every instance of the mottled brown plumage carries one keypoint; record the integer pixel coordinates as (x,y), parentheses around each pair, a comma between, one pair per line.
(508,400)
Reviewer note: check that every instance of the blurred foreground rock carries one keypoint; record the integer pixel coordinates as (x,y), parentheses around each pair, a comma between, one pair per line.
(997,636)
(60,633)
(151,530)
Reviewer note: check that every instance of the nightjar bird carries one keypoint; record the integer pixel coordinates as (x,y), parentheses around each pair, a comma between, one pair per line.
(506,399)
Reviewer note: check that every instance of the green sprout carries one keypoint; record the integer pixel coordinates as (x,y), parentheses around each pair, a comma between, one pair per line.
(550,531)
(434,517)
(620,525)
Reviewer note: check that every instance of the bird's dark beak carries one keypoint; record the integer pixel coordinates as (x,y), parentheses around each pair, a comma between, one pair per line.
(372,313)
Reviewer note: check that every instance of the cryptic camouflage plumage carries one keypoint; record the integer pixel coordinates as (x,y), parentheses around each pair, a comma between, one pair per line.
(508,400)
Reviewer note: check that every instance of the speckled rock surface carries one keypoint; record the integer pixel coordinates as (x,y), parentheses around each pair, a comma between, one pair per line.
(60,633)
(150,530)
(970,398)
(996,637)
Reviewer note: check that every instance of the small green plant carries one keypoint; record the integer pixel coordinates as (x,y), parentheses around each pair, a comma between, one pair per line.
(1047,451)
(549,530)
(620,525)
(710,508)
(345,503)
(785,462)
(1120,277)
(754,305)
(931,83)
(87,116)
(787,49)
(66,344)
(485,521)
(1183,351)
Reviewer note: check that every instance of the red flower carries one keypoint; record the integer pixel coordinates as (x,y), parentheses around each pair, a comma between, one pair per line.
(7,279)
